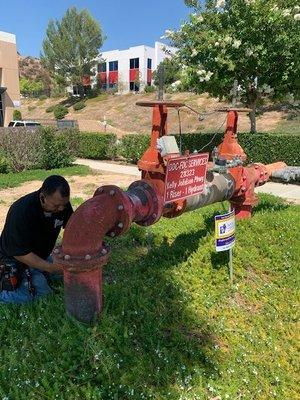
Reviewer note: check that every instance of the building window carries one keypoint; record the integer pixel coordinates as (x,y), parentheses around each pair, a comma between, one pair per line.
(113,66)
(134,63)
(149,63)
(134,87)
(102,67)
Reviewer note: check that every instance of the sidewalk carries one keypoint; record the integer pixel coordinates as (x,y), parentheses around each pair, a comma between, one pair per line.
(286,191)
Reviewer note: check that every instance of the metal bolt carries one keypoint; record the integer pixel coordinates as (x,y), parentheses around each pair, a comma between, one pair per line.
(120,207)
(112,192)
(67,257)
(87,257)
(120,225)
(103,251)
(56,251)
(112,234)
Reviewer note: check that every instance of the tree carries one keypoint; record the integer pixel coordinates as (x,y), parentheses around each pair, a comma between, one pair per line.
(30,88)
(71,47)
(250,44)
(172,71)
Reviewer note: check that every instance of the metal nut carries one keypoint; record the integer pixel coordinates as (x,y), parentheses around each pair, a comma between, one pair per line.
(112,192)
(112,234)
(87,257)
(120,225)
(104,251)
(67,257)
(154,215)
(120,207)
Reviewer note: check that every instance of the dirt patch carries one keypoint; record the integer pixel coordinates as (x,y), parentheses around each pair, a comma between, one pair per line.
(81,186)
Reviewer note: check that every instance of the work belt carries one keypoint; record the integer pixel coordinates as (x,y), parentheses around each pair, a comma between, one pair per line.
(11,277)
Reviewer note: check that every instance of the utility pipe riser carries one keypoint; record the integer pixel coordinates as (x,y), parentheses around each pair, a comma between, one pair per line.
(83,294)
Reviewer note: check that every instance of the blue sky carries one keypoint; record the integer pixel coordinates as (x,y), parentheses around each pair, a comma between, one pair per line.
(125,22)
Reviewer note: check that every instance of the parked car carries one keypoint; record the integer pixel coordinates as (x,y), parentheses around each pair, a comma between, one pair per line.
(31,124)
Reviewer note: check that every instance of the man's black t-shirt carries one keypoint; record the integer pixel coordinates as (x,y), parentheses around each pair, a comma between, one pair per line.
(29,229)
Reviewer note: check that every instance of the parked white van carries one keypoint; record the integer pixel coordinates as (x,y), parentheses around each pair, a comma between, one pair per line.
(14,124)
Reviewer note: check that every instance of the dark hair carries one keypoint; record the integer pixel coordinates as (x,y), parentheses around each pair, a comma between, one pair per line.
(55,183)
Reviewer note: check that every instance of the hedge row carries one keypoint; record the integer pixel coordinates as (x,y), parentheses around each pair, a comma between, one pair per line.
(259,147)
(97,146)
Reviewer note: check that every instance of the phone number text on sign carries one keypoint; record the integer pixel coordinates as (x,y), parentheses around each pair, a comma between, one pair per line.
(185,177)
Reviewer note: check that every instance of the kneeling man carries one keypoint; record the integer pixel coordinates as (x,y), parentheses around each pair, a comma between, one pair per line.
(31,229)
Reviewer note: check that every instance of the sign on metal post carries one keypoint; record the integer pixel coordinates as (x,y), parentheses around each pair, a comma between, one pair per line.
(185,176)
(225,236)
(225,231)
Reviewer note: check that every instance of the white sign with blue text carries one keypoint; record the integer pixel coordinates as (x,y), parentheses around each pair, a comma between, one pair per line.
(225,231)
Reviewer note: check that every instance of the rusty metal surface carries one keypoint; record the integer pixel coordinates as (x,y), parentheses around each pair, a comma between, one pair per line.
(230,148)
(83,294)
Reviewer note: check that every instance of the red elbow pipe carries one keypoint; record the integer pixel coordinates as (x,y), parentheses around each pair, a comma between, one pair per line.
(83,252)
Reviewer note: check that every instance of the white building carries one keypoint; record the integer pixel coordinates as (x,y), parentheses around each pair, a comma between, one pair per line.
(131,69)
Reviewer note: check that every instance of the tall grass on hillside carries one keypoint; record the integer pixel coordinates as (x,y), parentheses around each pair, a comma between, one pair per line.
(172,326)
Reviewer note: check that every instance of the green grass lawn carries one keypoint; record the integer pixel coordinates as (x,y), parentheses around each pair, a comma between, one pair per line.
(15,179)
(172,326)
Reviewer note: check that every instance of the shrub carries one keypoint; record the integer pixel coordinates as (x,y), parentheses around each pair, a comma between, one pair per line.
(31,108)
(60,111)
(58,148)
(50,109)
(4,164)
(43,97)
(98,146)
(132,147)
(17,116)
(79,105)
(46,147)
(20,148)
(150,89)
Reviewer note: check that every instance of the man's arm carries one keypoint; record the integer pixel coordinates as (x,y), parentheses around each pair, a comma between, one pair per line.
(34,261)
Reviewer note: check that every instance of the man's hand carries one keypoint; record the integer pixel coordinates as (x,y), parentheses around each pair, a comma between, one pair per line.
(34,261)
(55,269)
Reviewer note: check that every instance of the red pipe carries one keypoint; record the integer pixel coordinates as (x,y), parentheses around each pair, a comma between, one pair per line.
(111,211)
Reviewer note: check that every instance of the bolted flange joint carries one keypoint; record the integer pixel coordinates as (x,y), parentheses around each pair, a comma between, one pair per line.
(147,202)
(77,264)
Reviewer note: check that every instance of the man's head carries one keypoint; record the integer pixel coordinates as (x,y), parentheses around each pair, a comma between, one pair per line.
(54,194)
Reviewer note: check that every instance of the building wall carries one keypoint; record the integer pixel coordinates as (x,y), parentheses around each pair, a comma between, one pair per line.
(9,75)
(124,75)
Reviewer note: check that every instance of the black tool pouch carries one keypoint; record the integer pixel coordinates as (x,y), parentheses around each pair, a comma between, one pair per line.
(10,277)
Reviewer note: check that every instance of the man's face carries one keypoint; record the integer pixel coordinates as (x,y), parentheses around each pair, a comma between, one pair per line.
(54,203)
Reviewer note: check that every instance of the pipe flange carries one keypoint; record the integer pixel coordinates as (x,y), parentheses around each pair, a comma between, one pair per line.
(154,199)
(84,263)
(120,202)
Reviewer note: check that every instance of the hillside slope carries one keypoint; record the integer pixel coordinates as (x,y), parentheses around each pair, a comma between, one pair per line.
(123,116)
